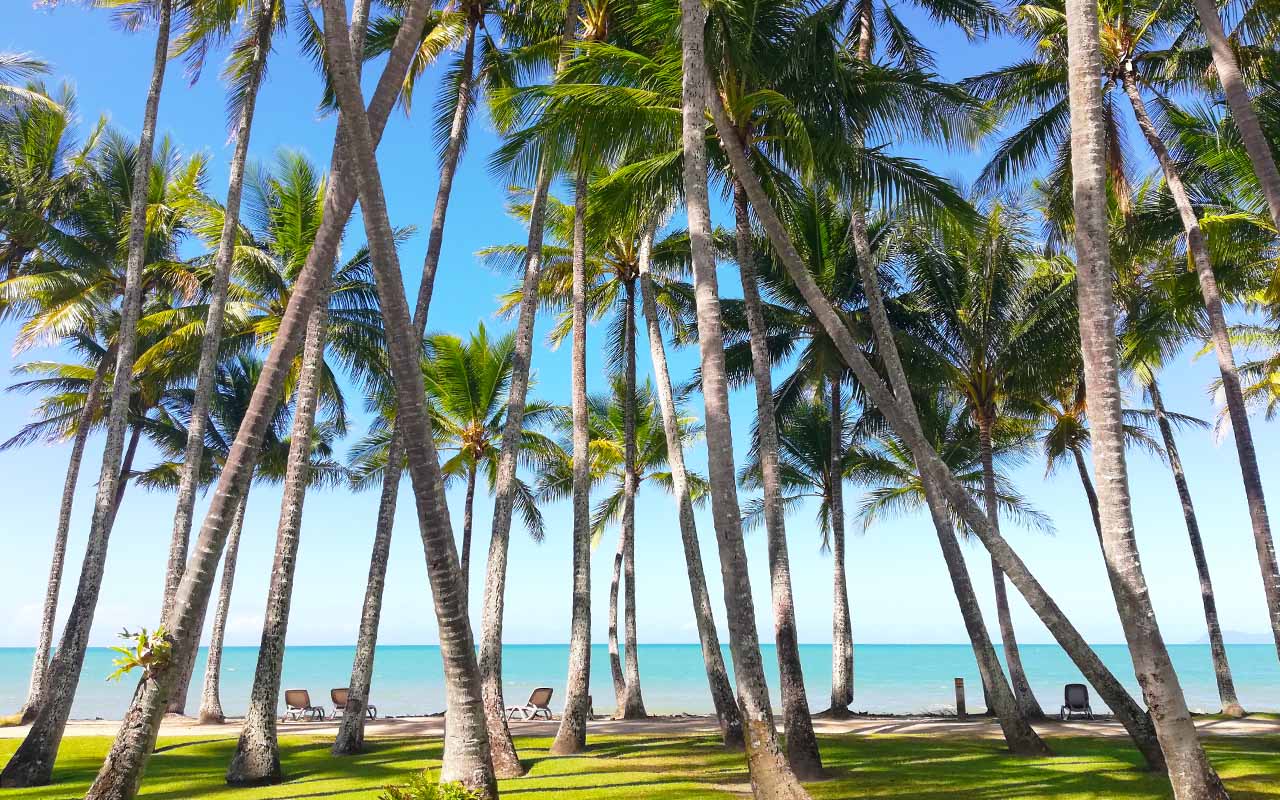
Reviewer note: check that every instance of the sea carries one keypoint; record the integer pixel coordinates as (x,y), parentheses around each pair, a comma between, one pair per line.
(888,678)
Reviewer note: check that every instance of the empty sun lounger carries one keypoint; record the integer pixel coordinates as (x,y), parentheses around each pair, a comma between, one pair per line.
(537,707)
(1075,701)
(297,704)
(339,698)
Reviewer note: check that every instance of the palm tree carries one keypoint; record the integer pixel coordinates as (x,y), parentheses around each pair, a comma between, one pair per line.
(122,770)
(1189,768)
(17,67)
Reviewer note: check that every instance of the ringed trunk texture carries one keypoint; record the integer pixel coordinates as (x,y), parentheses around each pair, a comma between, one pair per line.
(203,392)
(727,713)
(633,701)
(122,770)
(32,763)
(257,757)
(1221,667)
(1221,338)
(1017,675)
(210,697)
(842,621)
(40,665)
(466,750)
(801,742)
(771,775)
(1189,770)
(571,736)
(903,419)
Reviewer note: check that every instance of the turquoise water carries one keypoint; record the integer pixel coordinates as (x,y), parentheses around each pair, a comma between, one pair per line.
(887,678)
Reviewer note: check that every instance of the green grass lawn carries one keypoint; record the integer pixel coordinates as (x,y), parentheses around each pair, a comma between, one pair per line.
(661,768)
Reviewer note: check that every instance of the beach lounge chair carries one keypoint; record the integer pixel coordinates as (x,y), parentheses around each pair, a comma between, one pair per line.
(537,707)
(297,704)
(1075,700)
(339,698)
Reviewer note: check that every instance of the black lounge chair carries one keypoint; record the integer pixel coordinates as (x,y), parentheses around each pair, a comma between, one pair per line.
(1075,701)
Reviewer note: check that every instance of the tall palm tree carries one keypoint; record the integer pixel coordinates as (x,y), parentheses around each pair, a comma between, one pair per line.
(1189,768)
(122,770)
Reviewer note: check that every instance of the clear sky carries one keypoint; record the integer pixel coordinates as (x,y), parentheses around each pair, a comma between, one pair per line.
(897,583)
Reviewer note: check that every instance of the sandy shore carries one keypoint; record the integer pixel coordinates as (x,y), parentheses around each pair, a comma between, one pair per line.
(974,727)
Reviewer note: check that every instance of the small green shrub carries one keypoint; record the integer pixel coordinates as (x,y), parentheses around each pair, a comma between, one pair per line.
(422,787)
(150,652)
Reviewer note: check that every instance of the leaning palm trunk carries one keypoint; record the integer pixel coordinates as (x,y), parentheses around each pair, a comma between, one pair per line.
(40,666)
(1221,667)
(1242,110)
(468,513)
(257,757)
(350,738)
(901,416)
(841,618)
(32,763)
(1189,770)
(1090,493)
(802,743)
(122,771)
(1012,655)
(1221,339)
(263,23)
(727,713)
(771,776)
(210,698)
(632,701)
(571,736)
(615,652)
(466,749)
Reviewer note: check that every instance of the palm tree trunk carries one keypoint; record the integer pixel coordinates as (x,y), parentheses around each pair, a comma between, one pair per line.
(571,736)
(1221,339)
(350,738)
(1221,667)
(727,713)
(1242,110)
(263,22)
(40,665)
(633,702)
(210,697)
(1190,772)
(32,763)
(771,775)
(468,513)
(466,751)
(802,743)
(1027,703)
(901,416)
(842,621)
(615,652)
(1089,492)
(122,770)
(257,757)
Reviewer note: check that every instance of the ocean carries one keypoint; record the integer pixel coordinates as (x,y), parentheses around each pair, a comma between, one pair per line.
(888,678)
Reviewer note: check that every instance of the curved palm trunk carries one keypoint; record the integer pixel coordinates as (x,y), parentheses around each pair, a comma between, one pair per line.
(727,713)
(802,743)
(122,770)
(32,763)
(771,775)
(40,665)
(263,22)
(1090,493)
(468,513)
(841,618)
(1221,338)
(1221,667)
(571,736)
(257,757)
(1017,675)
(1189,770)
(350,738)
(466,750)
(615,652)
(902,417)
(633,701)
(210,696)
(1242,110)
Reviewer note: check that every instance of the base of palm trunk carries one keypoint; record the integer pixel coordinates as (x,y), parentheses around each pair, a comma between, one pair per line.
(211,717)
(1234,710)
(255,765)
(836,712)
(26,773)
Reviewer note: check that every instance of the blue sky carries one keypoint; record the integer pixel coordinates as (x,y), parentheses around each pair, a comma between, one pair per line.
(899,589)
